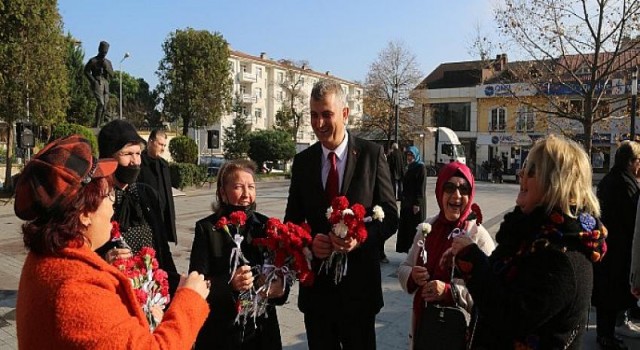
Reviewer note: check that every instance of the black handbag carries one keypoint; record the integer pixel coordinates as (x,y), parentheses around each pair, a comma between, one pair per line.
(442,327)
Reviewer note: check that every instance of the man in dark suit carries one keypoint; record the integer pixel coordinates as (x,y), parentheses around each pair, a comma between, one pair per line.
(342,315)
(155,173)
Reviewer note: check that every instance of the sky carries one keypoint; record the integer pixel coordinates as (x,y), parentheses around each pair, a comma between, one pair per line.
(340,36)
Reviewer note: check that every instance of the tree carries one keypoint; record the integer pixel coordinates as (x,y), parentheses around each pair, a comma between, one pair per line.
(271,145)
(32,69)
(194,77)
(138,103)
(393,74)
(295,100)
(577,46)
(236,138)
(81,102)
(183,149)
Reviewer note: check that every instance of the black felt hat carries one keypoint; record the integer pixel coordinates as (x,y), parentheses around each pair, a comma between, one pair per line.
(115,135)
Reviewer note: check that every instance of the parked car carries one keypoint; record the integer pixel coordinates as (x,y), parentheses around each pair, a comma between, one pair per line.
(213,164)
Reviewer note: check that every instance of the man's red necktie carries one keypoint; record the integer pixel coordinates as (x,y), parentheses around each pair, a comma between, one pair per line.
(331,187)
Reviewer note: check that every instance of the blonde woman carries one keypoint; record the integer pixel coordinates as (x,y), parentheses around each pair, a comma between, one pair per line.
(534,290)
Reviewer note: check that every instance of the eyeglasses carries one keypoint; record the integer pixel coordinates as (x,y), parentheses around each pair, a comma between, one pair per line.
(451,188)
(111,195)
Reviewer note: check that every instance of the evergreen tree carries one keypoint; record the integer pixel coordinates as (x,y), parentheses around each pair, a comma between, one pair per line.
(32,67)
(81,102)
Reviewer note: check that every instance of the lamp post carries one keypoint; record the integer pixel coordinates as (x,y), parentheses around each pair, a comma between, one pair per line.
(395,109)
(634,102)
(126,55)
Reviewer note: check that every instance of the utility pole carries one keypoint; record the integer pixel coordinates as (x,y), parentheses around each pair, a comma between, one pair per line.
(634,102)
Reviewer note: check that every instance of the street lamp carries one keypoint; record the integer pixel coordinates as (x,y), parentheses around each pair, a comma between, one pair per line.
(634,102)
(395,109)
(126,54)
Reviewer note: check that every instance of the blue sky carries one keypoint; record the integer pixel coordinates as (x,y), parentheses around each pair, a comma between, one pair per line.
(343,37)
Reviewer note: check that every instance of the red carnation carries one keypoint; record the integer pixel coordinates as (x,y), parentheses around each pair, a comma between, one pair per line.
(141,296)
(115,230)
(238,218)
(358,211)
(340,203)
(222,223)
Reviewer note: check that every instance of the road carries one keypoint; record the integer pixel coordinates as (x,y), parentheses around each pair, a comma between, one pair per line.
(391,324)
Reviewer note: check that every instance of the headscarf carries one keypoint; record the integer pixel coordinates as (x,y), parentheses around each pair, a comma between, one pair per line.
(417,159)
(448,171)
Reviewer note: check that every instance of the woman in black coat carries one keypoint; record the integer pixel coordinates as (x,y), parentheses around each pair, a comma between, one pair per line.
(413,207)
(210,255)
(534,291)
(618,194)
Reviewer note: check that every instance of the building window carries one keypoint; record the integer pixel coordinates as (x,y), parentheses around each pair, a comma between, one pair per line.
(498,121)
(257,113)
(259,72)
(258,92)
(526,120)
(280,96)
(280,77)
(455,116)
(301,81)
(243,68)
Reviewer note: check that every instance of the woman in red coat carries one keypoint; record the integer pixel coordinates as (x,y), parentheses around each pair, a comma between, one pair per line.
(69,297)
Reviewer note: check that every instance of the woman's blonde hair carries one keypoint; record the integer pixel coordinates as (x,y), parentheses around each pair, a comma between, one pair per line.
(563,171)
(226,173)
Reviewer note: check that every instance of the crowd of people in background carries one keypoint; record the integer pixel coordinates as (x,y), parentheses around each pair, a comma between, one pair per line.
(562,248)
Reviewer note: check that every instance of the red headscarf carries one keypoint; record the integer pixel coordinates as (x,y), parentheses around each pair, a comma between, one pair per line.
(447,172)
(437,242)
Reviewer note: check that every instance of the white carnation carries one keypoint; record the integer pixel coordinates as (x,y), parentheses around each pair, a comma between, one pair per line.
(378,213)
(329,212)
(347,212)
(424,228)
(340,230)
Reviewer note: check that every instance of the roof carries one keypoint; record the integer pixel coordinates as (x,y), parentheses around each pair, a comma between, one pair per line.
(454,74)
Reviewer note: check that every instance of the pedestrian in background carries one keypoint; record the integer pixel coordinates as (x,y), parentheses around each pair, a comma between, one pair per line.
(342,315)
(534,290)
(210,255)
(69,297)
(137,206)
(154,171)
(428,281)
(413,206)
(618,195)
(397,167)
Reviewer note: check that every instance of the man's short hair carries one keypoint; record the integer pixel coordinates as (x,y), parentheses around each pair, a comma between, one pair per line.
(155,133)
(326,87)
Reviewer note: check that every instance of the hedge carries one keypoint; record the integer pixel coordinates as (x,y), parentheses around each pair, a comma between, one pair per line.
(187,174)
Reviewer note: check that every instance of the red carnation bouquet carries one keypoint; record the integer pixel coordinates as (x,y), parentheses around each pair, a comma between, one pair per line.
(347,222)
(289,254)
(288,257)
(150,284)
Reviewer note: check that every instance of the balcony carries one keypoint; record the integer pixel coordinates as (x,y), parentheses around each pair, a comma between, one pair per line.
(246,77)
(248,98)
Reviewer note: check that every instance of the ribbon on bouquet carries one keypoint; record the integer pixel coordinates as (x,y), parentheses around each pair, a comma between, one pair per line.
(341,261)
(456,232)
(423,250)
(236,255)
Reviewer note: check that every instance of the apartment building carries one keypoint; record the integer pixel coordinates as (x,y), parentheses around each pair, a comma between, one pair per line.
(497,116)
(263,87)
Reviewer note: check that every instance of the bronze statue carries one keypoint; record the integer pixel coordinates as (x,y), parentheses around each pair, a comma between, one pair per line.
(98,70)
